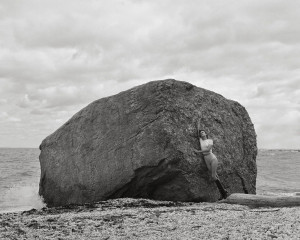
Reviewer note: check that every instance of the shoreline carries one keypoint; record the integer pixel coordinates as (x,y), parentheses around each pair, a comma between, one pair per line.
(20,209)
(148,219)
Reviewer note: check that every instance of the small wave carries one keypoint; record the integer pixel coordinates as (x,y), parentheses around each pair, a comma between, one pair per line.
(23,197)
(15,209)
(27,174)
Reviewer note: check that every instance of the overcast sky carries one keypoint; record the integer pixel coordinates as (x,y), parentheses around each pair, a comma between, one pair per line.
(57,56)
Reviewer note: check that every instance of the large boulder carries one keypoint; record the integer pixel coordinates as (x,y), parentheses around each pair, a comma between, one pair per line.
(141,142)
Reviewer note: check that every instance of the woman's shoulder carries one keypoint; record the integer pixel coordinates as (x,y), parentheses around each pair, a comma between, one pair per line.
(208,140)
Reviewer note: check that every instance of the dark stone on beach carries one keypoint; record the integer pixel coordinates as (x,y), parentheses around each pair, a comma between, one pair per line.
(140,143)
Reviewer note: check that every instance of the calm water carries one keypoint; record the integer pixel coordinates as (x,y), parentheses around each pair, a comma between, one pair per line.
(278,173)
(19,179)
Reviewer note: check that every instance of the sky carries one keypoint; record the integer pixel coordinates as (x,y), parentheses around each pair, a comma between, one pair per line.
(58,56)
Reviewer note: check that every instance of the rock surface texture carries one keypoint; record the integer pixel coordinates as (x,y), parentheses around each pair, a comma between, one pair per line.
(141,142)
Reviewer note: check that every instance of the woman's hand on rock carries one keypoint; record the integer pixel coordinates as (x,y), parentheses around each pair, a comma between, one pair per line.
(197,151)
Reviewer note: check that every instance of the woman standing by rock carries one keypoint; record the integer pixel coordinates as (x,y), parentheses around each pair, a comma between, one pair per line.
(211,160)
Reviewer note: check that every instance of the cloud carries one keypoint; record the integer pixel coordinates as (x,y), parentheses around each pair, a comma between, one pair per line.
(57,57)
(59,96)
(5,117)
(3,101)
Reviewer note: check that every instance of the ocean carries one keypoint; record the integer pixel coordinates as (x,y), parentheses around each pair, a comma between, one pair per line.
(278,173)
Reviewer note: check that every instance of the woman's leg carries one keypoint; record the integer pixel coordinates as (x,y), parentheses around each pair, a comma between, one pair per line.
(214,166)
(208,163)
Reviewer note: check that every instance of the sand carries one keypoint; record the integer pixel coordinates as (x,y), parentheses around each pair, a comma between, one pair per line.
(146,219)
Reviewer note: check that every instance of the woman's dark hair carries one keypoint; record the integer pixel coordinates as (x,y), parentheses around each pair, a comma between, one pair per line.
(203,131)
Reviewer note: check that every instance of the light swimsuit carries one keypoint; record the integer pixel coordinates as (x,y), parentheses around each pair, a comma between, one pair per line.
(208,156)
(205,144)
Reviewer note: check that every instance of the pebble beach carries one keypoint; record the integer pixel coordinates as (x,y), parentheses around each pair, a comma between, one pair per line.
(147,219)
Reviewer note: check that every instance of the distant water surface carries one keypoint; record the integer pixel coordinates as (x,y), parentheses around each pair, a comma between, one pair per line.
(19,179)
(278,173)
